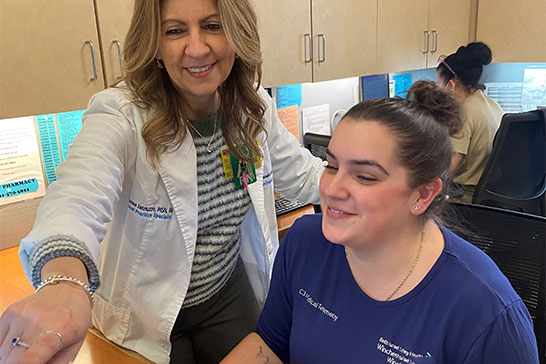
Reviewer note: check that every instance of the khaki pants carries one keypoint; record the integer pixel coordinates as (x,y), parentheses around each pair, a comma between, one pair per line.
(468,192)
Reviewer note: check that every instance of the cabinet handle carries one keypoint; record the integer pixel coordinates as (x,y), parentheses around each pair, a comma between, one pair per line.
(323,38)
(117,43)
(427,41)
(92,48)
(435,41)
(307,40)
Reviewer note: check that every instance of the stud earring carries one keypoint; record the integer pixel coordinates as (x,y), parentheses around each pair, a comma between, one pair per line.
(159,64)
(416,208)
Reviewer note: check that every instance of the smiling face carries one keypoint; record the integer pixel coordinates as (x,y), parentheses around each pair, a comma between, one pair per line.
(194,49)
(364,192)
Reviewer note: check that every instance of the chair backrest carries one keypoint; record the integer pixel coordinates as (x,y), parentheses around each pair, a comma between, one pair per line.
(316,143)
(515,174)
(516,242)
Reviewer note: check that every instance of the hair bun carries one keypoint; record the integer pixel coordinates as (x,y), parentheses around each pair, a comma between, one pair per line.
(443,106)
(477,53)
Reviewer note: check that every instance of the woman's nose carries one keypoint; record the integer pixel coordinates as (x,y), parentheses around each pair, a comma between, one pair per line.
(335,186)
(197,46)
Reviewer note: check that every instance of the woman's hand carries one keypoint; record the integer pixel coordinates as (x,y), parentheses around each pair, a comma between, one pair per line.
(62,308)
(53,323)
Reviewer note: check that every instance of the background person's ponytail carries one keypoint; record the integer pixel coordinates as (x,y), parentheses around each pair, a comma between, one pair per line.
(467,64)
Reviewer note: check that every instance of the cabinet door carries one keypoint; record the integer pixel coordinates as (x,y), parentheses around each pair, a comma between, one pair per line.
(283,25)
(114,17)
(401,40)
(515,31)
(344,34)
(45,64)
(451,22)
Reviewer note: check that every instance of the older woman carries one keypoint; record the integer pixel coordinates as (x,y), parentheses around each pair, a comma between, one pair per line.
(180,159)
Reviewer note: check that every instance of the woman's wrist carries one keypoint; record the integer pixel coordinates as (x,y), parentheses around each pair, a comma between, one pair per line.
(56,279)
(64,266)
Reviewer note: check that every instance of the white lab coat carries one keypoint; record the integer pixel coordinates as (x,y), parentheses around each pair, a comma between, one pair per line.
(146,220)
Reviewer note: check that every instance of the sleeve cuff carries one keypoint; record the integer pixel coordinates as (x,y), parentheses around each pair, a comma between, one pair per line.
(60,246)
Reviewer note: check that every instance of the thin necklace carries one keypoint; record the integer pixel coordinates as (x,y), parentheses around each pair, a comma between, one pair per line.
(411,268)
(201,135)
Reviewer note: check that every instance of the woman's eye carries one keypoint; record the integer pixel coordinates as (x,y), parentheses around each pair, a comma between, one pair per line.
(366,179)
(331,167)
(173,31)
(213,26)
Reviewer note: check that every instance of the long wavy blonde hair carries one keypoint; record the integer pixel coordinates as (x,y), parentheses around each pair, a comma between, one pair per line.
(152,89)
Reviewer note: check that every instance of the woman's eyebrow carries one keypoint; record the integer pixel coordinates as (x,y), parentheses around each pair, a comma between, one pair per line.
(361,162)
(205,19)
(369,162)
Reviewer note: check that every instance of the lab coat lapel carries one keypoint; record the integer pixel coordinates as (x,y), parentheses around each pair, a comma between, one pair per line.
(179,174)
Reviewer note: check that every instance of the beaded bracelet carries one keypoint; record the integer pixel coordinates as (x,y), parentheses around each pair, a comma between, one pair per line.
(53,280)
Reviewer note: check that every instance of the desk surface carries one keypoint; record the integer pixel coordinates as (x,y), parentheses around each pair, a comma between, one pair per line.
(286,220)
(96,349)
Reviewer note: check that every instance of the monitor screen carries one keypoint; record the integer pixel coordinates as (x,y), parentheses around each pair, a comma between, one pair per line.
(375,86)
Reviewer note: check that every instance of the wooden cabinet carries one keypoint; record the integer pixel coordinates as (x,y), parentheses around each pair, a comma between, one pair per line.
(515,31)
(46,66)
(452,21)
(344,34)
(51,56)
(413,33)
(316,40)
(285,35)
(45,56)
(113,17)
(401,33)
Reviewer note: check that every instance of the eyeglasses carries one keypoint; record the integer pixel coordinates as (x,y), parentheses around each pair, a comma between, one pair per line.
(442,60)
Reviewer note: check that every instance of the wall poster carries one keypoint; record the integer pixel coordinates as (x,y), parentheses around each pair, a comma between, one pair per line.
(21,175)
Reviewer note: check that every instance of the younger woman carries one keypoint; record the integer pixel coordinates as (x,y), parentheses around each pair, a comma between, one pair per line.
(376,279)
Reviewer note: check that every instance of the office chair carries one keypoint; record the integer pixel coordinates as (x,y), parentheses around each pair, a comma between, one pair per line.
(316,144)
(516,242)
(515,174)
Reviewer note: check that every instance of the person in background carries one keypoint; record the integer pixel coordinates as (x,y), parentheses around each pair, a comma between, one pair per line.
(377,278)
(179,160)
(460,73)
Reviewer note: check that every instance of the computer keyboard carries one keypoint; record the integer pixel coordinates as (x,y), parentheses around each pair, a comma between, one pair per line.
(284,205)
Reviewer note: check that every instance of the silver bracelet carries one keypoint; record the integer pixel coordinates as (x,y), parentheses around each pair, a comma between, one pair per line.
(53,280)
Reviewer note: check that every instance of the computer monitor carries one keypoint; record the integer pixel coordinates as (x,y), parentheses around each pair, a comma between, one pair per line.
(316,144)
(375,86)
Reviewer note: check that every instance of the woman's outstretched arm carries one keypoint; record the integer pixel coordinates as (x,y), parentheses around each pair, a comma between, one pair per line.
(251,350)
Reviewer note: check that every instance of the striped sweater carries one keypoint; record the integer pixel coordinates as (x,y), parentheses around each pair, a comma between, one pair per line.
(221,210)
